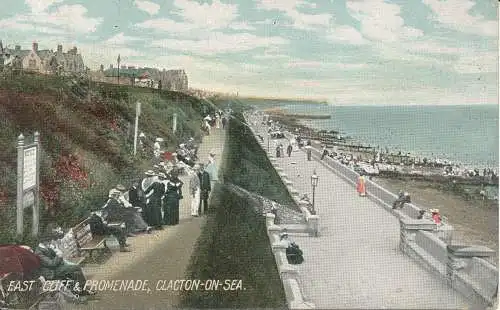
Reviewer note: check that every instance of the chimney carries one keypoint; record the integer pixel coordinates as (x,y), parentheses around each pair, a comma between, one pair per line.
(35,46)
(75,50)
(59,48)
(18,47)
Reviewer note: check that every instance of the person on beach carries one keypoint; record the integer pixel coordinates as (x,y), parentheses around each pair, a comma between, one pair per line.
(289,149)
(195,191)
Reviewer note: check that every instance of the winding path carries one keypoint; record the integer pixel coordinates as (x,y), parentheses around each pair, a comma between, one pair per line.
(165,255)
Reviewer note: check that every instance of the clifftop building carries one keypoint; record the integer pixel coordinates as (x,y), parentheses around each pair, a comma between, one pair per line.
(42,61)
(175,80)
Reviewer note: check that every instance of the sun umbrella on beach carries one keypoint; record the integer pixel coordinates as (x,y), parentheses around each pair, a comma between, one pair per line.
(17,259)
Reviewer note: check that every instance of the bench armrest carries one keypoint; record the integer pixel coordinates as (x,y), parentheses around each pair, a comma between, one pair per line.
(116,224)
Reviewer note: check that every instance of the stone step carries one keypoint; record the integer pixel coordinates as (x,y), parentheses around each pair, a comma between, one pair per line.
(295,228)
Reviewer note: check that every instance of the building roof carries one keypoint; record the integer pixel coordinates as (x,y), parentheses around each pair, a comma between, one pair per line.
(137,72)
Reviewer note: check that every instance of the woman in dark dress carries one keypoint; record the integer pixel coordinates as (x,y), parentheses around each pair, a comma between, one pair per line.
(154,194)
(172,196)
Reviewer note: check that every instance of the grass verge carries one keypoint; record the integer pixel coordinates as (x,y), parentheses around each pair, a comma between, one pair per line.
(234,243)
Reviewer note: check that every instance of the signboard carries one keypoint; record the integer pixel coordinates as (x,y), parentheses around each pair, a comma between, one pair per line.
(29,168)
(29,199)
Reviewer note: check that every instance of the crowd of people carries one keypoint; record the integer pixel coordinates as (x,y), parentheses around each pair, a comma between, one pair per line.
(149,203)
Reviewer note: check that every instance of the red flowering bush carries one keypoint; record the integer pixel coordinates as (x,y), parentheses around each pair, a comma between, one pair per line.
(69,166)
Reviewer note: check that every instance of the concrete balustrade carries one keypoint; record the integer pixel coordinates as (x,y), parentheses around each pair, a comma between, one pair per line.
(462,266)
(288,273)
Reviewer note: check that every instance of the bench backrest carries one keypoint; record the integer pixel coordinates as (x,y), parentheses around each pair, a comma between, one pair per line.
(67,245)
(82,233)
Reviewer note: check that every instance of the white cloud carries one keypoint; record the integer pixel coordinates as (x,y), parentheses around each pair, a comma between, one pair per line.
(216,15)
(69,19)
(477,63)
(147,6)
(299,20)
(455,15)
(218,42)
(38,6)
(121,39)
(381,21)
(346,34)
(241,26)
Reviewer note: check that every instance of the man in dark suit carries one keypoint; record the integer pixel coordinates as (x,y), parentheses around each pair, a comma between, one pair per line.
(205,188)
(99,227)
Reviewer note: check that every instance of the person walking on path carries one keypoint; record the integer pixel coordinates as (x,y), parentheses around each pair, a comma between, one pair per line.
(173,193)
(195,190)
(360,186)
(278,151)
(154,195)
(309,150)
(324,152)
(205,188)
(289,149)
(211,169)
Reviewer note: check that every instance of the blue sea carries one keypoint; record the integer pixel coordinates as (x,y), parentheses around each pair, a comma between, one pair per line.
(461,134)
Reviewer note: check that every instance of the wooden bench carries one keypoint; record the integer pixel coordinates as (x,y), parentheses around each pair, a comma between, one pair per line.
(88,244)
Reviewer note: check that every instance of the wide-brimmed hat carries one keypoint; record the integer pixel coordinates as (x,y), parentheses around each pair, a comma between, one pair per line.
(162,175)
(114,192)
(196,167)
(142,134)
(121,188)
(159,140)
(434,210)
(150,172)
(212,152)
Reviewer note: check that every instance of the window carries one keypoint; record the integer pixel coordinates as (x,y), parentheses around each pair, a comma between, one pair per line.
(32,64)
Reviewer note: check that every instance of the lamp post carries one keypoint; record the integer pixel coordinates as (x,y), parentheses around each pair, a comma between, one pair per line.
(314,183)
(268,138)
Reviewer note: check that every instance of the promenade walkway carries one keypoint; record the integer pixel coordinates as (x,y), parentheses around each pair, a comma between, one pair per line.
(165,255)
(355,262)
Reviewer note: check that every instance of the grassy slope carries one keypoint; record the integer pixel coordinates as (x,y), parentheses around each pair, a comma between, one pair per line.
(234,243)
(86,146)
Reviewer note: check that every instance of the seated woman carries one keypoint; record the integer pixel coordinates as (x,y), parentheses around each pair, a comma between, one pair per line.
(294,254)
(54,267)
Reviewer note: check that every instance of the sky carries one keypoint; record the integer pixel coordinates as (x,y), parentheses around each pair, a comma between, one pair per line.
(359,52)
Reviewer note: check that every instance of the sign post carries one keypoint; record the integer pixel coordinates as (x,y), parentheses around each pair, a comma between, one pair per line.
(28,181)
(174,125)
(137,113)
